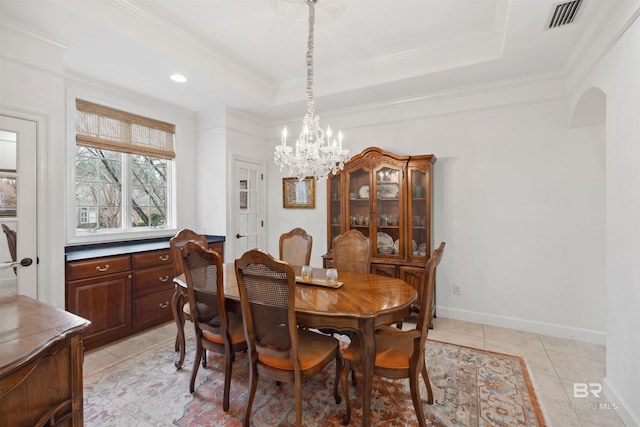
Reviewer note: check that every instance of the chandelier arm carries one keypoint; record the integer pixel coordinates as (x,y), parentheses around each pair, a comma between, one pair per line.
(310,99)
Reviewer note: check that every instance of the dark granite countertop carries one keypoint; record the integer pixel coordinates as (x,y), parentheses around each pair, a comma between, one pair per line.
(98,250)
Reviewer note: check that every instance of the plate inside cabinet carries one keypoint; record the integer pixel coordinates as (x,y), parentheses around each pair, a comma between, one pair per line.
(363,192)
(384,240)
(388,191)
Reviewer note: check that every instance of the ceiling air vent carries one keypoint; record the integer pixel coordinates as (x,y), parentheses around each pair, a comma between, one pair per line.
(564,14)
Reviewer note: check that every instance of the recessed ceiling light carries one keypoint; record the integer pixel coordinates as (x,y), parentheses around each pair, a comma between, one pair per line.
(178,78)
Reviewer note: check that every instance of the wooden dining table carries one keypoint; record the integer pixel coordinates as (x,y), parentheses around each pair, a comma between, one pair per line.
(363,303)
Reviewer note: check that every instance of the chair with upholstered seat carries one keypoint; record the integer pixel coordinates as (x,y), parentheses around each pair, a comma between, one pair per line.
(215,329)
(400,354)
(12,242)
(295,247)
(278,348)
(351,252)
(180,305)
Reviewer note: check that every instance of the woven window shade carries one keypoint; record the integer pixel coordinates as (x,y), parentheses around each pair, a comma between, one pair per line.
(106,128)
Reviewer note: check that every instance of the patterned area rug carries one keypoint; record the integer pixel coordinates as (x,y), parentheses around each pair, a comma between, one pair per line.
(471,388)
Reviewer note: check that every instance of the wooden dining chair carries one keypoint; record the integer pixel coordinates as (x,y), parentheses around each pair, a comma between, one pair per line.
(400,354)
(215,329)
(295,247)
(278,348)
(351,252)
(12,239)
(180,304)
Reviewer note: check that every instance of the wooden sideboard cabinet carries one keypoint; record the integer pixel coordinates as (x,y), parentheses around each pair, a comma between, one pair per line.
(41,356)
(388,198)
(122,294)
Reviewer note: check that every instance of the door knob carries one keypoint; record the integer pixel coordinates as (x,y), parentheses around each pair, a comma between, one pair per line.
(26,262)
(239,236)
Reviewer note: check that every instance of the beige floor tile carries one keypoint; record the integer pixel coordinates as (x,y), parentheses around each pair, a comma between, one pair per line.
(554,398)
(458,326)
(524,350)
(600,414)
(574,348)
(576,368)
(97,360)
(560,420)
(525,340)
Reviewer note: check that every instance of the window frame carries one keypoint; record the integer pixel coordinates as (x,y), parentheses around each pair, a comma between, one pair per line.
(126,232)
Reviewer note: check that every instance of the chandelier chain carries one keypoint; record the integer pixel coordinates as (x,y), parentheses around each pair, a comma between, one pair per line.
(310,98)
(317,152)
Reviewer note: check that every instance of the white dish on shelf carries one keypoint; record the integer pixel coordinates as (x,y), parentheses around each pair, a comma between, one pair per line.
(388,191)
(363,192)
(384,240)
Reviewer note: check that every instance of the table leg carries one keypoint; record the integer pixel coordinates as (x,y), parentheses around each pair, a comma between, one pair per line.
(368,348)
(177,301)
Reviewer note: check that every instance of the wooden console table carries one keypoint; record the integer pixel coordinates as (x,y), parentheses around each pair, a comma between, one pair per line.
(40,364)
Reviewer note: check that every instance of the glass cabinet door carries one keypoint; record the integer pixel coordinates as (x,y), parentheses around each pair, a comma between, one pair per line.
(387,240)
(418,220)
(359,204)
(334,196)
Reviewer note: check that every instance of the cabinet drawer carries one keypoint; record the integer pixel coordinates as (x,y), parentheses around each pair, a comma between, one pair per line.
(152,259)
(98,267)
(152,307)
(152,280)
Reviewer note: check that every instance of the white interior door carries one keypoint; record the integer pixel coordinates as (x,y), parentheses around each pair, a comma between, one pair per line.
(248,206)
(18,205)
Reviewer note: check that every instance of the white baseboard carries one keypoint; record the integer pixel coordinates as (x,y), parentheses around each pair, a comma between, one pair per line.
(623,408)
(590,336)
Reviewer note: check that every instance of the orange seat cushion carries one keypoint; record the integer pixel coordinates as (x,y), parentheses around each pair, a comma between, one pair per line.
(391,351)
(236,331)
(312,349)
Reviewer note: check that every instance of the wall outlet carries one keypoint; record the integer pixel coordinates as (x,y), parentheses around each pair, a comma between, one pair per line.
(456,290)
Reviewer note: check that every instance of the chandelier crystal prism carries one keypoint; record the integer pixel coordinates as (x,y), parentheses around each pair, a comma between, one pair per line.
(317,152)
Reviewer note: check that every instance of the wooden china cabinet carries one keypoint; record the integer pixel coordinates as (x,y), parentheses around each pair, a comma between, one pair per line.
(388,198)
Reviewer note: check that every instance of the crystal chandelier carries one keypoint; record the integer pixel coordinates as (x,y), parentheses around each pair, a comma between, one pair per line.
(317,152)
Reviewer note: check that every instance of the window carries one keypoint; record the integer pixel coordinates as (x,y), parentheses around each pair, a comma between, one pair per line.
(122,167)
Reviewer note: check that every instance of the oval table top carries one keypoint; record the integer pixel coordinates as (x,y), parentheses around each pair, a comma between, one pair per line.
(361,294)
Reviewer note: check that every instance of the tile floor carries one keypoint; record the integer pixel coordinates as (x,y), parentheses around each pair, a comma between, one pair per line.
(556,364)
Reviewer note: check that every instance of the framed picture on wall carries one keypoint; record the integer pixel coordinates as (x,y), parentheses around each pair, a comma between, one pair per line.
(298,194)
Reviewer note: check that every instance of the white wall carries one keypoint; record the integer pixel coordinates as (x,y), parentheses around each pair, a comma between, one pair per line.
(617,75)
(209,167)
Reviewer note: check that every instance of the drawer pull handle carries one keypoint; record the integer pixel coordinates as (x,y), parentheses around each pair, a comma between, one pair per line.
(164,258)
(106,267)
(165,305)
(163,279)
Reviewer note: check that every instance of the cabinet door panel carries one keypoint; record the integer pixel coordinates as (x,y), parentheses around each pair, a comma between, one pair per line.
(413,276)
(384,270)
(105,301)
